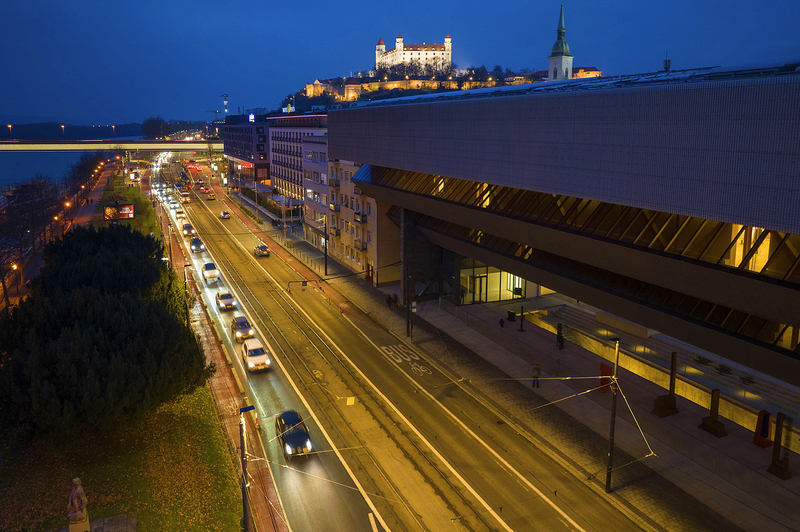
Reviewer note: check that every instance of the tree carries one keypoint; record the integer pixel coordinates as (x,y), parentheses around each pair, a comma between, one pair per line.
(497,73)
(102,338)
(154,127)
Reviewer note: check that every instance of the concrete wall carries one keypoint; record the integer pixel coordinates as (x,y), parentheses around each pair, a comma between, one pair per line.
(721,150)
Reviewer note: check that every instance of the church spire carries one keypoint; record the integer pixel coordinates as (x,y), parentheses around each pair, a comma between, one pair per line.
(560,48)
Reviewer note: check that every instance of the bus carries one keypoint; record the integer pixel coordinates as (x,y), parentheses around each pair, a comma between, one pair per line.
(184,196)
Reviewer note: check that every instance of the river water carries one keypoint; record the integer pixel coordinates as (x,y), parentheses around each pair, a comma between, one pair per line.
(18,167)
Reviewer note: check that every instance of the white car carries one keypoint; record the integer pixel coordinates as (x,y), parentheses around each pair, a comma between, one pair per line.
(173,205)
(210,271)
(180,215)
(254,356)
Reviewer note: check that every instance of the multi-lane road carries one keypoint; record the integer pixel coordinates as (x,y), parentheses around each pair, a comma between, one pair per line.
(399,444)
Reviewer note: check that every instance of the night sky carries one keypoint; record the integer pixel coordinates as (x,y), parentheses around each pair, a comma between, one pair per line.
(91,62)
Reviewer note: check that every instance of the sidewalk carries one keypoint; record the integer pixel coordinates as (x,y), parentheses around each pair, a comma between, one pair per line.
(695,481)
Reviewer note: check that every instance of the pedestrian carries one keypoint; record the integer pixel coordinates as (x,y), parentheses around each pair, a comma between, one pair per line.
(536,372)
(502,322)
(388,301)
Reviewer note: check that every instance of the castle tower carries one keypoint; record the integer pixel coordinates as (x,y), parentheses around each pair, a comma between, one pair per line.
(560,60)
(398,43)
(448,45)
(380,49)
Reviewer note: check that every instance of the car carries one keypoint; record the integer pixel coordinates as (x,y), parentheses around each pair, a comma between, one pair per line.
(225,215)
(188,230)
(200,181)
(210,272)
(293,434)
(240,328)
(197,245)
(254,356)
(225,300)
(212,196)
(180,215)
(203,189)
(173,205)
(262,250)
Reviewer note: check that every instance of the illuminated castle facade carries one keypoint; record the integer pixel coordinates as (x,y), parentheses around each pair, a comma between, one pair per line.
(436,55)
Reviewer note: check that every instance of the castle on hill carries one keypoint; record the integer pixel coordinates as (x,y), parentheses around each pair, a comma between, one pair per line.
(435,55)
(439,56)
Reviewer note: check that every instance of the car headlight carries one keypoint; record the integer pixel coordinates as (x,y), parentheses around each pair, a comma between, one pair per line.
(308,444)
(250,364)
(250,331)
(288,449)
(192,248)
(233,304)
(238,334)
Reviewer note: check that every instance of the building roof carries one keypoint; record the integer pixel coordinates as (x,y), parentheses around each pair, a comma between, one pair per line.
(662,77)
(423,47)
(399,36)
(380,41)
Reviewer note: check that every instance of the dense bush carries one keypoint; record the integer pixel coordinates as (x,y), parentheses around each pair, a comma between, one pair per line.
(101,339)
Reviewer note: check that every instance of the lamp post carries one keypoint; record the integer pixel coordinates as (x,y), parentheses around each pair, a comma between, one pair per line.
(613,416)
(16,285)
(10,134)
(69,210)
(114,131)
(63,134)
(185,293)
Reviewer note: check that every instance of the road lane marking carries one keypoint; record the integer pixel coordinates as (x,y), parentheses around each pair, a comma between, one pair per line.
(468,431)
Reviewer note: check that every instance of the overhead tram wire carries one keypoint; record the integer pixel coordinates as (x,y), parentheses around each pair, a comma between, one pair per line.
(290,354)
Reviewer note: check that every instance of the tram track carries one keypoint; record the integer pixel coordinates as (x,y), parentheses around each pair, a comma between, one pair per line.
(301,362)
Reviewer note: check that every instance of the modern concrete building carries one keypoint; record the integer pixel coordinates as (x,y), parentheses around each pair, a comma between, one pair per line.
(315,186)
(669,199)
(286,135)
(246,147)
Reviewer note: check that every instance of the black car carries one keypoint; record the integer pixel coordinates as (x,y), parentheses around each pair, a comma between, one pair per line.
(293,434)
(197,245)
(240,328)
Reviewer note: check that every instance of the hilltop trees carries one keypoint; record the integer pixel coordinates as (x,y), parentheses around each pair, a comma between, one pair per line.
(155,127)
(101,339)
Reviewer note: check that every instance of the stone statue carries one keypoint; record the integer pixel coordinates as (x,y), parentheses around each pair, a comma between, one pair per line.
(77,503)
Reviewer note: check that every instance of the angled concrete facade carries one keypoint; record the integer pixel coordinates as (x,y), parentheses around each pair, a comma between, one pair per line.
(712,150)
(724,150)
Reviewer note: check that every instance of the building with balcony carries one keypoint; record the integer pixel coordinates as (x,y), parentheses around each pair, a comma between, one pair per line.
(315,187)
(355,223)
(286,135)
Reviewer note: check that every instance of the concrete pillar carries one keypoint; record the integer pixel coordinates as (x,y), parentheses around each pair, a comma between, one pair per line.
(665,405)
(711,423)
(779,466)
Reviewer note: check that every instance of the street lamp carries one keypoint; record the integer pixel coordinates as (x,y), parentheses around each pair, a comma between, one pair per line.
(62,131)
(114,130)
(614,386)
(9,132)
(69,211)
(185,293)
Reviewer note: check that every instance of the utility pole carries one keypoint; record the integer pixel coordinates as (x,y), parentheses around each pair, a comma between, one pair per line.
(613,416)
(326,244)
(243,451)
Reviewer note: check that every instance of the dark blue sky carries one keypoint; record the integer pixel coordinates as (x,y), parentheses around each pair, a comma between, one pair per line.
(108,62)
